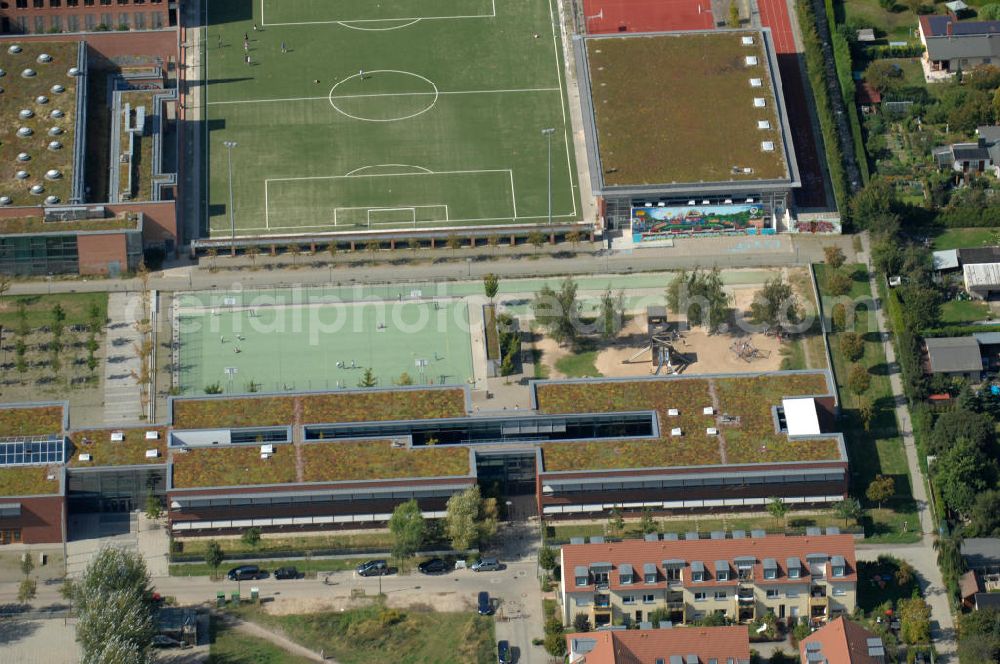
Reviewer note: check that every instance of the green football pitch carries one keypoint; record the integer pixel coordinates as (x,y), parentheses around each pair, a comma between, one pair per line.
(281,347)
(401,114)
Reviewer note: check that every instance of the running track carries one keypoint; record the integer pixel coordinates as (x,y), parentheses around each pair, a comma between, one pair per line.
(774,15)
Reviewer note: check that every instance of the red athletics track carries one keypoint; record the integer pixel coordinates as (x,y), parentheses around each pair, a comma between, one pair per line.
(774,15)
(606,16)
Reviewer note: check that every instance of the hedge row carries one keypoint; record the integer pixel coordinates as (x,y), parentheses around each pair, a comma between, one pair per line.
(968,216)
(885,51)
(959,330)
(907,350)
(843,63)
(815,70)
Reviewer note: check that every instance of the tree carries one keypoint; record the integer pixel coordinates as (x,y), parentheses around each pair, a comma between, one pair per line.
(838,317)
(26,590)
(990,12)
(493,242)
(469,518)
(852,345)
(555,644)
(27,564)
(883,76)
(252,252)
(838,282)
(536,239)
(295,250)
(775,305)
(547,558)
(214,556)
(114,611)
(616,523)
(777,508)
(404,379)
(858,379)
(984,517)
(700,296)
(872,208)
(368,379)
(574,237)
(979,634)
(407,527)
(866,411)
(612,313)
(413,244)
(453,242)
(372,247)
(558,312)
(881,489)
(251,537)
(153,507)
(734,14)
(961,473)
(977,428)
(915,620)
(834,256)
(491,286)
(581,623)
(647,524)
(848,509)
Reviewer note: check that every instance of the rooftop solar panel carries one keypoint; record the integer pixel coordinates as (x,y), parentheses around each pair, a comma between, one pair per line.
(32,451)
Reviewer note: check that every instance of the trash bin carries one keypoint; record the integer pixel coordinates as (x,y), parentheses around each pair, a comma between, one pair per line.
(255,595)
(235,598)
(220,599)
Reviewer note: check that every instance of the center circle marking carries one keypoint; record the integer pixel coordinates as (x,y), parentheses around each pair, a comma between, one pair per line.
(332,97)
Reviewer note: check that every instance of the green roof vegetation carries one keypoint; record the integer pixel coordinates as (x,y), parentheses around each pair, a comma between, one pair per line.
(354,406)
(680,108)
(128,452)
(141,164)
(752,440)
(383,405)
(28,480)
(19,225)
(21,93)
(236,465)
(31,421)
(368,460)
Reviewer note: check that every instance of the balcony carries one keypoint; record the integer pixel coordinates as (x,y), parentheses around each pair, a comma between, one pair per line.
(602,601)
(745,598)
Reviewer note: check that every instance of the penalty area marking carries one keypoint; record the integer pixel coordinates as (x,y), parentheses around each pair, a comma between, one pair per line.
(348,22)
(358,170)
(362,75)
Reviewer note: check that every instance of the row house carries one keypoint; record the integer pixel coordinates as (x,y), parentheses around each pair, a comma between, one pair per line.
(681,581)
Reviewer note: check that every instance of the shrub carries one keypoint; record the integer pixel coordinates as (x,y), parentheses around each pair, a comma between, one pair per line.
(852,345)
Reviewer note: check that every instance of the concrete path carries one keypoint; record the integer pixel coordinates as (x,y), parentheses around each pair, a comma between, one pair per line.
(477,330)
(121,393)
(922,556)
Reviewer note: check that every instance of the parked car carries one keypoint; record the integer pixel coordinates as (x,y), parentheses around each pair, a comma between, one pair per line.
(373,568)
(486,565)
(503,653)
(433,566)
(286,573)
(246,573)
(485,605)
(161,641)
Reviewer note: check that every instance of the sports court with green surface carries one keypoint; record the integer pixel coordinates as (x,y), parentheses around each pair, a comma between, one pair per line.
(402,114)
(314,346)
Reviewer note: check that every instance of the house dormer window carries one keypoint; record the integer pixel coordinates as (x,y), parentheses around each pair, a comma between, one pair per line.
(672,569)
(721,570)
(625,574)
(794,567)
(697,572)
(581,576)
(770,568)
(838,566)
(649,573)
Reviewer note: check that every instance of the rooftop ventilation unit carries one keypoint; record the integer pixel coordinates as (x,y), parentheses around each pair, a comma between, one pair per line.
(751,60)
(763,124)
(756,82)
(759,102)
(767,146)
(747,40)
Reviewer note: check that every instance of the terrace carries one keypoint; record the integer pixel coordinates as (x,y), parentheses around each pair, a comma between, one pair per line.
(29,480)
(23,94)
(30,421)
(378,459)
(348,406)
(135,167)
(682,108)
(233,466)
(104,450)
(750,439)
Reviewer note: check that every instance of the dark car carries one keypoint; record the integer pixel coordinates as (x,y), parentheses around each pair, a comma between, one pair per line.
(246,573)
(503,652)
(373,568)
(286,573)
(433,566)
(485,605)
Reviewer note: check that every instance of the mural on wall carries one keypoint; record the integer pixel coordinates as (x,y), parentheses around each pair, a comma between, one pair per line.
(656,223)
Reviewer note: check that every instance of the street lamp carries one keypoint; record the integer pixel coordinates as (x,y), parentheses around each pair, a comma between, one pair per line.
(548,135)
(232,219)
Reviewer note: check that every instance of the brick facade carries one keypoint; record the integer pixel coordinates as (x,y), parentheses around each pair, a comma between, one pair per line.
(44,16)
(99,252)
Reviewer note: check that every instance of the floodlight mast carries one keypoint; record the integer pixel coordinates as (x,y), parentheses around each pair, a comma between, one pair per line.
(232,219)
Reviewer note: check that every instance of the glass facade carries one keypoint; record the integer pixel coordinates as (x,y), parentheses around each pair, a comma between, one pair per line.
(39,255)
(114,490)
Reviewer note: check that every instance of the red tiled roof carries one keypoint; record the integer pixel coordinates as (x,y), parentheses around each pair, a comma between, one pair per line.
(842,641)
(644,646)
(637,553)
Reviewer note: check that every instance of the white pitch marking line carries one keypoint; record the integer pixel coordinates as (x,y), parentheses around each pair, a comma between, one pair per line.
(225,231)
(385,94)
(341,21)
(385,175)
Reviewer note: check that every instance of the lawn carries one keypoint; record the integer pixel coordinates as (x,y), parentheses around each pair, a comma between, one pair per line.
(964,311)
(378,635)
(879,449)
(230,646)
(443,127)
(898,25)
(381,541)
(579,365)
(959,238)
(38,308)
(696,85)
(878,583)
